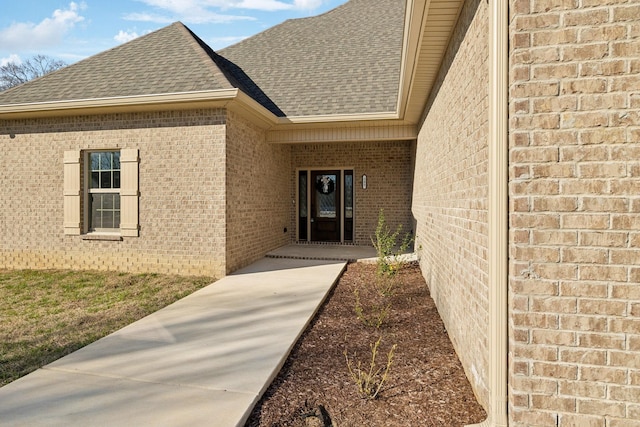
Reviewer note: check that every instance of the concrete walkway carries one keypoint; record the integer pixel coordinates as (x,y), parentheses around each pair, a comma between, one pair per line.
(202,361)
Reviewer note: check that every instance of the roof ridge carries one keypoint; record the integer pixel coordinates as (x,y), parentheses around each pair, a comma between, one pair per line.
(235,76)
(200,48)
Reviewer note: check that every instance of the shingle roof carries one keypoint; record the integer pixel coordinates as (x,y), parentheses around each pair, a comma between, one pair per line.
(169,60)
(346,61)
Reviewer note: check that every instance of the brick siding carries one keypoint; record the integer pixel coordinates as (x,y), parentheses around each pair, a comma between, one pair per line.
(214,196)
(258,189)
(181,204)
(574,213)
(450,194)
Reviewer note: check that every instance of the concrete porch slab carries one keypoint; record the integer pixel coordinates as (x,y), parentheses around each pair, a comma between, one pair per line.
(325,252)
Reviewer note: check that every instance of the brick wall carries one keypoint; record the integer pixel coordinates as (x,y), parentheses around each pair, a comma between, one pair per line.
(181,204)
(450,194)
(5,140)
(388,167)
(575,213)
(258,189)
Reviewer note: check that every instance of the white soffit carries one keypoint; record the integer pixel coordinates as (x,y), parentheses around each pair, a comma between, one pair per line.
(438,22)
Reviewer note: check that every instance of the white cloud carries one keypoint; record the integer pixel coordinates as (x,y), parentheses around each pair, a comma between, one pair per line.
(12,58)
(207,11)
(195,16)
(49,32)
(273,5)
(128,35)
(148,17)
(265,5)
(307,4)
(125,36)
(221,42)
(188,11)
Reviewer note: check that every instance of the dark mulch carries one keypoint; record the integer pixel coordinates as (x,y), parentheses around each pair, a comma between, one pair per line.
(426,385)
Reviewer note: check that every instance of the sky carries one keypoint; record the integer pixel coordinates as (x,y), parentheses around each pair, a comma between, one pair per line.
(73,30)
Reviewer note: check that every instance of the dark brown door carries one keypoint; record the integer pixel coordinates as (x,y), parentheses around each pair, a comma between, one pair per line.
(325,206)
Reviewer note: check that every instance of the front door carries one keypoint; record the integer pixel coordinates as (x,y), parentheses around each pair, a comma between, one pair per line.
(325,206)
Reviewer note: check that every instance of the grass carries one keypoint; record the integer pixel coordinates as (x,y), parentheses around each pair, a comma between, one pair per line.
(45,315)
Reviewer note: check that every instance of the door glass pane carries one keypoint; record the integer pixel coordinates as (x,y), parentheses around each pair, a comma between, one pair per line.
(348,195)
(302,192)
(348,206)
(326,196)
(302,205)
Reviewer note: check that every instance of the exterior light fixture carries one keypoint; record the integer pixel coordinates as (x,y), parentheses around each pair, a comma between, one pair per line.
(364,182)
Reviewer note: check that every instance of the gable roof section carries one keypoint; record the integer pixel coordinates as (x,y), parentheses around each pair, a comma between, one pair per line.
(345,61)
(166,61)
(362,71)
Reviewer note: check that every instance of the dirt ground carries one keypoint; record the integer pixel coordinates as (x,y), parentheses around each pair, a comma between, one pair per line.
(426,385)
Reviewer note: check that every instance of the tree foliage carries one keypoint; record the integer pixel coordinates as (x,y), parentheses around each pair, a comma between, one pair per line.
(14,73)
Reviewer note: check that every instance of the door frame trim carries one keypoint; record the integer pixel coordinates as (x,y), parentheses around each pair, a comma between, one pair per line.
(308,170)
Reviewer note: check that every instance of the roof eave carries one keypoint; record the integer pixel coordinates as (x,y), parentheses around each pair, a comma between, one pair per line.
(137,103)
(424,47)
(429,25)
(337,118)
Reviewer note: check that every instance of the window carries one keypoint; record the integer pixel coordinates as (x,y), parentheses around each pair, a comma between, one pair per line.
(108,194)
(104,191)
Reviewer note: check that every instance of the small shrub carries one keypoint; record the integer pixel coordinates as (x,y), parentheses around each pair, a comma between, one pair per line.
(389,254)
(386,284)
(374,317)
(370,381)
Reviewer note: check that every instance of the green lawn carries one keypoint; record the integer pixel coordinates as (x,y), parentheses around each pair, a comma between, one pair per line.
(47,314)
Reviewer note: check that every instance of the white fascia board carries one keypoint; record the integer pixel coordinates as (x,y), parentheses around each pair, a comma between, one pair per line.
(415,20)
(125,101)
(337,118)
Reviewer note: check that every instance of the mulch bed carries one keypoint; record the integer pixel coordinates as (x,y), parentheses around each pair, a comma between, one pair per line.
(426,385)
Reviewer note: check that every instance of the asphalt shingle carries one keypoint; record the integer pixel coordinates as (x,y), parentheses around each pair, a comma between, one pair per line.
(169,60)
(346,61)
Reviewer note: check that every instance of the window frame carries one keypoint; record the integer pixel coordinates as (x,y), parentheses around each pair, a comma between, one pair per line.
(77,183)
(89,190)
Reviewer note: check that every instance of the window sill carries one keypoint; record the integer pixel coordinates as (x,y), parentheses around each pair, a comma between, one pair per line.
(102,236)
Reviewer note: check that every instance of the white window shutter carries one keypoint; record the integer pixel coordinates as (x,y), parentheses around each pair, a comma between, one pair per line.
(129,192)
(72,192)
